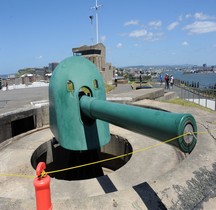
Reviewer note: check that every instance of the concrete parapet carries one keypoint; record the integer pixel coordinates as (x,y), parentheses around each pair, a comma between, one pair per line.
(150,94)
(167,96)
(136,95)
(22,120)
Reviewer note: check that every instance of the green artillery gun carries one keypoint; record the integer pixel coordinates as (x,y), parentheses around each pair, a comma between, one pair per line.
(79,112)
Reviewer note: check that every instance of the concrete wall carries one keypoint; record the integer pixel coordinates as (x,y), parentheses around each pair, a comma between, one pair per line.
(108,73)
(106,69)
(38,115)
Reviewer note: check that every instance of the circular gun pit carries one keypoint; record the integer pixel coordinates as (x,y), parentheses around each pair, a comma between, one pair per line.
(56,158)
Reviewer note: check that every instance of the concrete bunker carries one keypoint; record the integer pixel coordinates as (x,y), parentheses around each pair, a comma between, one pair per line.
(23,125)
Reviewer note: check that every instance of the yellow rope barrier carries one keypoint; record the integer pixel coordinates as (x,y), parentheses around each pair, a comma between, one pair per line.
(108,159)
(18,175)
(120,156)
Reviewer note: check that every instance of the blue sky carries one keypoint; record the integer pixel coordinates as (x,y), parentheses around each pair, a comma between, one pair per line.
(34,33)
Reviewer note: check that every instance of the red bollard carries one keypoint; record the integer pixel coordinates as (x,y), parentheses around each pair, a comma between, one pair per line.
(42,188)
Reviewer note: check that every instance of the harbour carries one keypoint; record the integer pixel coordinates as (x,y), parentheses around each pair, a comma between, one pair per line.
(205,79)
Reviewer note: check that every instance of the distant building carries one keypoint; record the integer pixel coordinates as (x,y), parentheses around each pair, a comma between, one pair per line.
(97,55)
(48,76)
(52,66)
(28,78)
(204,66)
(11,76)
(40,71)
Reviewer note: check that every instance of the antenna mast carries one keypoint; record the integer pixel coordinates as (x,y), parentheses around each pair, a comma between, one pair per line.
(96,7)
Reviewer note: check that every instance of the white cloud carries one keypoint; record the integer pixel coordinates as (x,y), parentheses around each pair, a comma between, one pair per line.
(184,43)
(183,17)
(39,57)
(171,26)
(200,27)
(119,45)
(147,36)
(131,22)
(201,16)
(138,33)
(188,16)
(155,24)
(103,38)
(157,36)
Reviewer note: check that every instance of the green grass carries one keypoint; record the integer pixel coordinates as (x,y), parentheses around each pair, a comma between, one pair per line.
(182,102)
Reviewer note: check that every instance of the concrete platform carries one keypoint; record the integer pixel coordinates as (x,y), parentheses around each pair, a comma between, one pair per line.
(159,178)
(15,99)
(142,167)
(136,95)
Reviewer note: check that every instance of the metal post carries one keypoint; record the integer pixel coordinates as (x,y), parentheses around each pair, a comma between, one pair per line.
(188,95)
(215,104)
(215,96)
(206,95)
(193,95)
(96,7)
(198,97)
(97,25)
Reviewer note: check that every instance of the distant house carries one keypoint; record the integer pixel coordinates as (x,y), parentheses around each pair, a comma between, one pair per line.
(97,55)
(27,78)
(48,76)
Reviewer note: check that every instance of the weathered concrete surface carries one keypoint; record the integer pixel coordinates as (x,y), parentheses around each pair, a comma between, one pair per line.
(16,105)
(39,114)
(192,184)
(142,167)
(21,98)
(152,179)
(136,95)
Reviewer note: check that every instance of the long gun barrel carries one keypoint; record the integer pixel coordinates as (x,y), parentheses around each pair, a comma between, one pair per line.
(157,124)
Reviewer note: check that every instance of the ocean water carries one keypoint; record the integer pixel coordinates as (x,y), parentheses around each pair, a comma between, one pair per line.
(204,79)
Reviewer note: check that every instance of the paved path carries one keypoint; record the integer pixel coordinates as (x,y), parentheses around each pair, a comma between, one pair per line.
(21,98)
(174,89)
(121,88)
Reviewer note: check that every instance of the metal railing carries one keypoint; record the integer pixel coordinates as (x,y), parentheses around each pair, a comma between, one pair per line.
(191,91)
